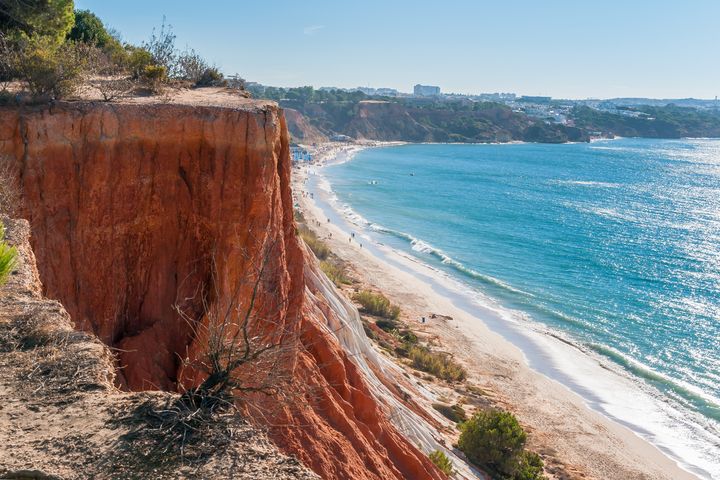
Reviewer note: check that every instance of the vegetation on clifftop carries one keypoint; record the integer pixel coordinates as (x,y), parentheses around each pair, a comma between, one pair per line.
(669,121)
(53,50)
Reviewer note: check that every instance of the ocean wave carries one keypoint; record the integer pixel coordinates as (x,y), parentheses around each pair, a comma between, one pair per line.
(421,246)
(587,183)
(614,149)
(690,396)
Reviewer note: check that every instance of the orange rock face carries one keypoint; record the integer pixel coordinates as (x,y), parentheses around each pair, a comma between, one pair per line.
(133,207)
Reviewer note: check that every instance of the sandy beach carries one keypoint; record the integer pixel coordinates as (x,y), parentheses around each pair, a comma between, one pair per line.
(562,426)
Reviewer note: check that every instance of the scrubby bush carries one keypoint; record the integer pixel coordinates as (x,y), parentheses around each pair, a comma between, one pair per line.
(211,77)
(439,364)
(494,440)
(387,325)
(8,256)
(138,59)
(454,413)
(530,467)
(191,66)
(441,461)
(377,304)
(408,337)
(154,76)
(50,70)
(162,48)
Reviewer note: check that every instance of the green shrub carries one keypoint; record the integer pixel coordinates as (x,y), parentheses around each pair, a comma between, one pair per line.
(88,28)
(191,66)
(377,304)
(408,337)
(138,59)
(52,19)
(51,70)
(386,325)
(8,257)
(493,440)
(441,461)
(454,413)
(335,272)
(530,467)
(318,247)
(439,364)
(155,73)
(154,76)
(211,77)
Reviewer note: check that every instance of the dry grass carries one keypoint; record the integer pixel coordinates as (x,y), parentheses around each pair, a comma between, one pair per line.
(318,247)
(377,304)
(9,189)
(439,364)
(335,272)
(58,362)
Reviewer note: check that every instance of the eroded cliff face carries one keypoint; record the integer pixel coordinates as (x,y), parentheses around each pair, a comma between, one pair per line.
(137,210)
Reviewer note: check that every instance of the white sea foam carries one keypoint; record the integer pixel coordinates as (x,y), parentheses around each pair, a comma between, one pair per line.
(587,183)
(605,212)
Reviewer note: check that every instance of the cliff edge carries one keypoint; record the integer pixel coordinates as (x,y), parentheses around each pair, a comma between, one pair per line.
(62,417)
(135,208)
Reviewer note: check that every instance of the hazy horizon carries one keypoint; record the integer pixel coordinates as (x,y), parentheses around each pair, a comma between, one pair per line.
(661,49)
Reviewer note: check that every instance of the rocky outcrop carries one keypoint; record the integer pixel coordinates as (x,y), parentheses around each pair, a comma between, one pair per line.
(301,130)
(138,210)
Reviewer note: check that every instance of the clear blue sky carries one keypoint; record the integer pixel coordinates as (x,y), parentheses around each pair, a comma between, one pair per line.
(563,48)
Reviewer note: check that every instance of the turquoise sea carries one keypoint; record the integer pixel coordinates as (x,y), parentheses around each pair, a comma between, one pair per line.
(613,246)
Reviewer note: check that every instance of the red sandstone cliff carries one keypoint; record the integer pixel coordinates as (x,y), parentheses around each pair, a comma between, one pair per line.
(131,206)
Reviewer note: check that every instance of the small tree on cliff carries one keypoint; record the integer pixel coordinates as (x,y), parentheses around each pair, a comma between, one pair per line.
(242,336)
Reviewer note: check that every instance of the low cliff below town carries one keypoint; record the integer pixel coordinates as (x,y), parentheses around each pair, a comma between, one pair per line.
(150,220)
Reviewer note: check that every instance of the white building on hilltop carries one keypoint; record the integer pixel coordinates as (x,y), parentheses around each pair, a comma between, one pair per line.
(426,90)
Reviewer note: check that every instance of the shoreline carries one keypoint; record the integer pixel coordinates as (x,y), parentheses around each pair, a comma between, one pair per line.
(564,416)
